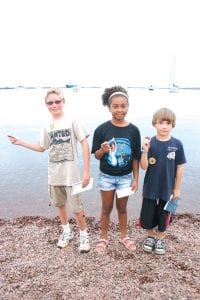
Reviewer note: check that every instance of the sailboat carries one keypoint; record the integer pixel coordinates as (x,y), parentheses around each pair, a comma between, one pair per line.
(173,88)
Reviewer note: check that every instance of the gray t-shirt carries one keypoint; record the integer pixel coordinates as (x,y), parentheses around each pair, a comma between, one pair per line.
(60,138)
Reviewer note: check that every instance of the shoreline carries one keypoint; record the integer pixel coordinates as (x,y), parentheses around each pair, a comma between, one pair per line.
(33,267)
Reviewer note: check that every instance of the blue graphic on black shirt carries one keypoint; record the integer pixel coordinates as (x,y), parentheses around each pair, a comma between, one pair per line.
(120,152)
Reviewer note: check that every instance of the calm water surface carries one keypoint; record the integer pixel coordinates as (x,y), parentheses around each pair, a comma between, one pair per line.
(23,173)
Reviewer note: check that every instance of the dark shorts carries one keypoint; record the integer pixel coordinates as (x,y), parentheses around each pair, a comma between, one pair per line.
(153,215)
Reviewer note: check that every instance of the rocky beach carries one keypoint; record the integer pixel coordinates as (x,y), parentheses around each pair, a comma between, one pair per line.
(32,267)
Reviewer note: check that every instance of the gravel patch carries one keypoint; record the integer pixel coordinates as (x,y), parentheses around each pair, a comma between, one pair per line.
(32,267)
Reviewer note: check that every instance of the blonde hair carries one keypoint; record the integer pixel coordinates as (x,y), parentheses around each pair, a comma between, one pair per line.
(56,91)
(164,114)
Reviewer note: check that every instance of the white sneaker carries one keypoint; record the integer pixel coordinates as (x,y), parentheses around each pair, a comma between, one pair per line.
(64,239)
(84,244)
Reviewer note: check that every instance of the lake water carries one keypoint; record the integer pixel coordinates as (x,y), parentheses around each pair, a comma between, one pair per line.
(23,173)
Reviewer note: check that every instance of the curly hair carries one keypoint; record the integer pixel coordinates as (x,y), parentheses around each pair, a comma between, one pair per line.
(107,94)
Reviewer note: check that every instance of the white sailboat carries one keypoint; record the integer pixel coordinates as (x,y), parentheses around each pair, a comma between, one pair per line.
(173,88)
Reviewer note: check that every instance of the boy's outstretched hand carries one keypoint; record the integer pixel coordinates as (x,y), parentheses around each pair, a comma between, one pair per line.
(13,140)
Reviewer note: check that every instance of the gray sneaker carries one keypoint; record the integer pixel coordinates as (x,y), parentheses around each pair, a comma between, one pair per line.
(84,244)
(160,247)
(148,244)
(64,239)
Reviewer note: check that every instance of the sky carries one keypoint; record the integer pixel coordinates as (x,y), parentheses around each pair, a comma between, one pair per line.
(99,43)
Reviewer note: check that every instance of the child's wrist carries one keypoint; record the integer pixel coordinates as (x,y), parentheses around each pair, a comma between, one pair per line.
(102,150)
(144,151)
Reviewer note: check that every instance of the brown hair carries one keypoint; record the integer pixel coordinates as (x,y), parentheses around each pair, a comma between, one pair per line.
(164,114)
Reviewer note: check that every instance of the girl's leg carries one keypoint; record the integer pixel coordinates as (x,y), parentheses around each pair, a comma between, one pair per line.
(107,205)
(121,205)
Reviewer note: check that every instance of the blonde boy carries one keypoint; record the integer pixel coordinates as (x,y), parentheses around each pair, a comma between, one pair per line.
(60,137)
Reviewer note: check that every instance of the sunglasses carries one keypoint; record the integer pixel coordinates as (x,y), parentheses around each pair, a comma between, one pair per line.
(52,102)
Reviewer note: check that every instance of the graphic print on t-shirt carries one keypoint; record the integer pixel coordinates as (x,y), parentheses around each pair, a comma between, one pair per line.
(120,152)
(61,146)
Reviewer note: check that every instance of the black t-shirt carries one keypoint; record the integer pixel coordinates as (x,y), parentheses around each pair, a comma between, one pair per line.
(125,145)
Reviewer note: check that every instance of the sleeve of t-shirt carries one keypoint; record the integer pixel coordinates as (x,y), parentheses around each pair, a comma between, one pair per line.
(44,140)
(180,156)
(79,131)
(137,148)
(96,143)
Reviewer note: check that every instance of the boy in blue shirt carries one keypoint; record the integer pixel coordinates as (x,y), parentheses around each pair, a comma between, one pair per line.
(162,158)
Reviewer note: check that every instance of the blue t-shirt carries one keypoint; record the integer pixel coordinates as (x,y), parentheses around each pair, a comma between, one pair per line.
(125,146)
(163,158)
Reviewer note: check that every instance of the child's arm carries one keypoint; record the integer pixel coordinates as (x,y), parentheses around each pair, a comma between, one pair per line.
(179,175)
(105,148)
(34,147)
(144,157)
(135,174)
(86,163)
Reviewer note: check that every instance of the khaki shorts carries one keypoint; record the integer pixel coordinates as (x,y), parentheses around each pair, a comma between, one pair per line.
(60,195)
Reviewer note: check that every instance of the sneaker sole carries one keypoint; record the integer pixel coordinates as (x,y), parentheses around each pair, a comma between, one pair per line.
(159,253)
(66,244)
(62,246)
(147,249)
(84,251)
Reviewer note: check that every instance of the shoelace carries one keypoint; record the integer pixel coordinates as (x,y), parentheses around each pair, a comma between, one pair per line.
(149,241)
(65,235)
(160,244)
(84,239)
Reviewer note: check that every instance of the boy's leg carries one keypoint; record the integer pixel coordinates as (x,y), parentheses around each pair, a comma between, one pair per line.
(76,207)
(150,232)
(63,215)
(162,217)
(148,217)
(67,234)
(58,197)
(84,246)
(80,218)
(148,222)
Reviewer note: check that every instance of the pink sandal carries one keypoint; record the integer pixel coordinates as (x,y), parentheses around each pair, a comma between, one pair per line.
(101,246)
(128,244)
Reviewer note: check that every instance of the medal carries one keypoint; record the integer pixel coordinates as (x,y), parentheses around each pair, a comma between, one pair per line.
(152,160)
